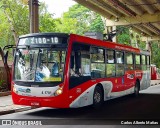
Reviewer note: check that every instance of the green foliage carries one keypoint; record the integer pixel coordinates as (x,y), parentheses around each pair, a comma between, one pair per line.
(5,37)
(47,23)
(142,45)
(66,25)
(84,20)
(14,19)
(19,16)
(123,37)
(97,24)
(81,17)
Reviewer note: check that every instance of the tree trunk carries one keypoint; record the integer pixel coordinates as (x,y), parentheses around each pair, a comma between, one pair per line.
(12,27)
(7,69)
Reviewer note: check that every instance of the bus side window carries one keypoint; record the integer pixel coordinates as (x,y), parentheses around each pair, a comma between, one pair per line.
(148,62)
(143,62)
(129,61)
(97,63)
(137,62)
(110,66)
(119,63)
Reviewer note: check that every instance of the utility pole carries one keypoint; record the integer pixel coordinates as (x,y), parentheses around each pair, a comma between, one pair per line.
(34,16)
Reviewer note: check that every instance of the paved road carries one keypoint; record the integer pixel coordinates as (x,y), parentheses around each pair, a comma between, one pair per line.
(128,108)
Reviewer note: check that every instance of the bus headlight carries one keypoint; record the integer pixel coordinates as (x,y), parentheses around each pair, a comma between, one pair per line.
(14,90)
(59,91)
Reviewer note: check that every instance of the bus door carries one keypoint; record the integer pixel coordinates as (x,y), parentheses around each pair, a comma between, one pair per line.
(80,73)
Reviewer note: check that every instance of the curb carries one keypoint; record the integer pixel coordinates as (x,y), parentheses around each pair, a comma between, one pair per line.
(155,84)
(15,110)
(5,93)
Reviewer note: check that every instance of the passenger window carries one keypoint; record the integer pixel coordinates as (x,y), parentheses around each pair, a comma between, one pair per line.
(97,55)
(148,62)
(143,59)
(144,66)
(110,66)
(110,70)
(97,62)
(137,62)
(119,69)
(110,56)
(120,63)
(129,61)
(119,57)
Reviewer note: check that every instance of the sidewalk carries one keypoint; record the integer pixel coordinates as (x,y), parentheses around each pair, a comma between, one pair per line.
(7,106)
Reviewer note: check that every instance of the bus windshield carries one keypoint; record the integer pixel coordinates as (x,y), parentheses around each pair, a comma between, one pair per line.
(39,64)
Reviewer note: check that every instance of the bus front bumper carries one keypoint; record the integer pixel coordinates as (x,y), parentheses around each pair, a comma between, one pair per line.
(54,102)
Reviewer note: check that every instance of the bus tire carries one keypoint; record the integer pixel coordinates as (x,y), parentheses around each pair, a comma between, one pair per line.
(98,97)
(136,89)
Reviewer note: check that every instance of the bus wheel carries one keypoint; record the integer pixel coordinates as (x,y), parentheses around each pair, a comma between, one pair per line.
(136,89)
(97,97)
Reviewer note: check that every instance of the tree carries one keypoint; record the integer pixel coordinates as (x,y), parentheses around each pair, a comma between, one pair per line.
(15,20)
(47,23)
(85,19)
(97,24)
(123,36)
(5,37)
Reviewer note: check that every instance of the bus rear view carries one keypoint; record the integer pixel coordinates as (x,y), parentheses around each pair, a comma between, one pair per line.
(39,68)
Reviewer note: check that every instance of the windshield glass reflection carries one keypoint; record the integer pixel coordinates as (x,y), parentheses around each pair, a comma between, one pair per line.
(40,65)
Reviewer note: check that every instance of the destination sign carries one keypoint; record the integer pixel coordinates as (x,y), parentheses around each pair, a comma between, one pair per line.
(41,40)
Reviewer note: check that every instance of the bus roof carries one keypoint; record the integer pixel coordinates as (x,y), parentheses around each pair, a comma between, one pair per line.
(107,44)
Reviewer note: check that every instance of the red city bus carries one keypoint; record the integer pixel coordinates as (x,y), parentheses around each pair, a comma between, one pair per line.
(155,72)
(69,71)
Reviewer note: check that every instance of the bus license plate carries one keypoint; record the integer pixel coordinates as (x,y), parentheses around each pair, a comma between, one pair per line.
(35,104)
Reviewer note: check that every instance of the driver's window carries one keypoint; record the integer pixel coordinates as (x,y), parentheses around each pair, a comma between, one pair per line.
(51,64)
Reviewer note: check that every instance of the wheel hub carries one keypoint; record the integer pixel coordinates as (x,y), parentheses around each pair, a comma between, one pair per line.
(97,97)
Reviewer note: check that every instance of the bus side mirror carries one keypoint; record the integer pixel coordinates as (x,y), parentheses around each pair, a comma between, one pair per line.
(5,57)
